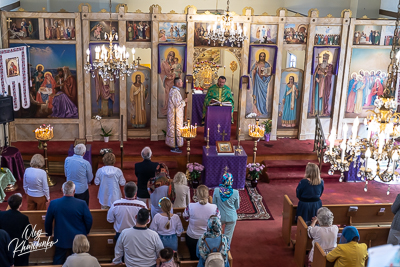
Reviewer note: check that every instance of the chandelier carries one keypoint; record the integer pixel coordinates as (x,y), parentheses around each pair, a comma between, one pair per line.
(111,61)
(376,155)
(226,31)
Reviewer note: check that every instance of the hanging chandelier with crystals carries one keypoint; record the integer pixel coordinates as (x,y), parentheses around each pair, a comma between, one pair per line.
(226,31)
(377,155)
(111,61)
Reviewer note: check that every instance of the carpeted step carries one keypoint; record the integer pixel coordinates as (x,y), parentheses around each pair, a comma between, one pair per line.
(293,175)
(290,165)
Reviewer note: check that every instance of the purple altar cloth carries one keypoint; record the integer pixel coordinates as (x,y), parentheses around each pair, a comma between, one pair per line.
(351,175)
(11,158)
(219,115)
(197,108)
(87,156)
(214,168)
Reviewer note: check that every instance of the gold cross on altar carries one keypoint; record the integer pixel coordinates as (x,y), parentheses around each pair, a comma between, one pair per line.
(226,169)
(223,135)
(8,22)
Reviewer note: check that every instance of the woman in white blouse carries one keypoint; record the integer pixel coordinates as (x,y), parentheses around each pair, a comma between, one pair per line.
(325,234)
(109,178)
(81,257)
(167,225)
(182,191)
(198,214)
(35,184)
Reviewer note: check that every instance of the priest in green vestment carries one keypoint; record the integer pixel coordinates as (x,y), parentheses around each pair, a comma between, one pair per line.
(218,94)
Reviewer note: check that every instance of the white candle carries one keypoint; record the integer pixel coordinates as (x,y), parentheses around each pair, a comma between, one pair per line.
(367,156)
(331,142)
(345,129)
(355,130)
(343,147)
(381,142)
(395,158)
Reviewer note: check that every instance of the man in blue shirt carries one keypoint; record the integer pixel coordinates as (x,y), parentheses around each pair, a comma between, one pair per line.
(71,217)
(78,170)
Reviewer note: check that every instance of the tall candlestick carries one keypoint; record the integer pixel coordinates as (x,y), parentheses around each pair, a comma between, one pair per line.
(367,156)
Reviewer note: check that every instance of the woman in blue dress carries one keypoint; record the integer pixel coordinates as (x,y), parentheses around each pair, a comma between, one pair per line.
(309,192)
(290,104)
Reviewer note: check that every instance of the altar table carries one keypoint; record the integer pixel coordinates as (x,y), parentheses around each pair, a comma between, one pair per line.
(197,108)
(87,156)
(214,167)
(221,116)
(12,159)
(6,178)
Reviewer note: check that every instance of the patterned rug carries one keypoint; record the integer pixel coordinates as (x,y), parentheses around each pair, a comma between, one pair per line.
(252,204)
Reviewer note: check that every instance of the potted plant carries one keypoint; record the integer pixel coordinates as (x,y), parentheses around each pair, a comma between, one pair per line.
(105,134)
(268,127)
(194,170)
(255,170)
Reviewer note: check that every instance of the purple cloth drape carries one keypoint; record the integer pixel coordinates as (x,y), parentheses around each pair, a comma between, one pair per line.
(351,175)
(241,83)
(63,107)
(218,115)
(319,49)
(11,158)
(87,156)
(214,166)
(197,108)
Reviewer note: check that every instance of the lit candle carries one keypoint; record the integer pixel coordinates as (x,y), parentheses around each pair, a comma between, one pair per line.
(331,143)
(208,132)
(355,130)
(381,142)
(345,129)
(395,158)
(343,147)
(88,55)
(367,156)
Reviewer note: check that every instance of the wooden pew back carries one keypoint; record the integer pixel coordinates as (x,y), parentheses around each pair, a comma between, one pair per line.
(100,223)
(320,258)
(366,215)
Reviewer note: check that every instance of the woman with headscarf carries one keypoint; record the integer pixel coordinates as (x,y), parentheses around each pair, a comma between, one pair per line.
(162,188)
(213,241)
(349,253)
(227,200)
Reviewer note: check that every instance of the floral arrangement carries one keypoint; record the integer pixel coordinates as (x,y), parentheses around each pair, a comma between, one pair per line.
(255,170)
(104,132)
(198,88)
(268,125)
(195,170)
(104,151)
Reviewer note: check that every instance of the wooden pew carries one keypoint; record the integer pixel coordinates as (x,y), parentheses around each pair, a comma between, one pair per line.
(320,258)
(100,223)
(372,236)
(366,215)
(102,247)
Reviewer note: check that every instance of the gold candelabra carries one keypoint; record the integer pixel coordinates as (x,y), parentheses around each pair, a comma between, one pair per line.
(44,134)
(189,132)
(256,132)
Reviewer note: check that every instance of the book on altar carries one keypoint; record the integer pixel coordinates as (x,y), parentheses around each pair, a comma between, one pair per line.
(215,102)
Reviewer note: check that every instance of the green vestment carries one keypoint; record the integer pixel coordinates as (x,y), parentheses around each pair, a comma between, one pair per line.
(214,93)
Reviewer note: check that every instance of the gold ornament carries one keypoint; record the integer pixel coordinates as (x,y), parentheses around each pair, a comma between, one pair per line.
(233,66)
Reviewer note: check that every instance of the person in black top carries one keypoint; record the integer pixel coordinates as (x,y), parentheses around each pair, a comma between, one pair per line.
(14,223)
(6,253)
(144,171)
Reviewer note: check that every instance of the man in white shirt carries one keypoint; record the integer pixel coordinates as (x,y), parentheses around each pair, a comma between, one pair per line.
(139,245)
(123,211)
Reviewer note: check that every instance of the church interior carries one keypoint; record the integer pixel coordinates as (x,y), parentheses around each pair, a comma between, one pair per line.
(292,104)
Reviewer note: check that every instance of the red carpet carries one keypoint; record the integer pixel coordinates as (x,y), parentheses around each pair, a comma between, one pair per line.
(259,242)
(252,204)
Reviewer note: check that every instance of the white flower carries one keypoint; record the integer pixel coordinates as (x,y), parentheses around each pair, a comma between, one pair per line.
(251,115)
(97,117)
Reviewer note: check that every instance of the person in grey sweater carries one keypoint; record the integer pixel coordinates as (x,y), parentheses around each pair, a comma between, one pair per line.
(394,233)
(81,257)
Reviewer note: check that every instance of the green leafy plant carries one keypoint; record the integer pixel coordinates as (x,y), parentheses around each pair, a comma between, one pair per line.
(104,132)
(268,125)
